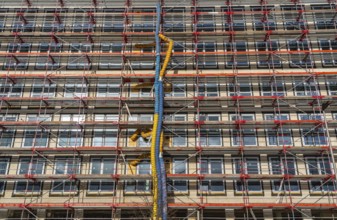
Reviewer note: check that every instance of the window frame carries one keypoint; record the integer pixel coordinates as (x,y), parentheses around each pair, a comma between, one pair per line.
(26,183)
(102,161)
(286,183)
(209,183)
(250,132)
(236,182)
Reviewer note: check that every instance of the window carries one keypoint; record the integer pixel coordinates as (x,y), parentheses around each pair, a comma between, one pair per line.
(328,58)
(278,136)
(111,47)
(106,117)
(16,47)
(324,16)
(30,166)
(273,89)
(75,90)
(208,88)
(249,165)
(68,166)
(3,15)
(35,138)
(24,20)
(4,165)
(206,61)
(50,47)
(141,90)
(234,18)
(268,60)
(102,166)
(110,62)
(178,90)
(306,88)
(292,19)
(315,136)
(332,87)
(16,63)
(7,136)
(233,60)
(240,89)
(211,166)
(244,136)
(210,137)
(54,20)
(143,167)
(174,20)
(144,23)
(43,90)
(11,90)
(70,138)
(73,117)
(79,47)
(320,166)
(113,20)
(79,63)
(104,137)
(262,19)
(47,62)
(140,142)
(179,136)
(108,90)
(178,61)
(84,20)
(205,20)
(281,165)
(301,59)
(179,166)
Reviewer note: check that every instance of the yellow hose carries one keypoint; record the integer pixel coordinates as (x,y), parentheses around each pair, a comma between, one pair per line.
(139,159)
(134,136)
(168,54)
(153,166)
(146,133)
(154,131)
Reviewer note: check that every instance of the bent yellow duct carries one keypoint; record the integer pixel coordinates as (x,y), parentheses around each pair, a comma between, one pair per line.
(134,136)
(168,54)
(146,133)
(139,159)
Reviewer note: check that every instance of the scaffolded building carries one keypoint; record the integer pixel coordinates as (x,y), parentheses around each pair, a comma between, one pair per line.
(249,109)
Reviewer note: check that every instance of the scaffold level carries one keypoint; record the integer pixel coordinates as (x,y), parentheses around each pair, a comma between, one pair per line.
(168,109)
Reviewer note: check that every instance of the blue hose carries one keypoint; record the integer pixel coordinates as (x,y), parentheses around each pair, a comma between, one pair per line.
(158,110)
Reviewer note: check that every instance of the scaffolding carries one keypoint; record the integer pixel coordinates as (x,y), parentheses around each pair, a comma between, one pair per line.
(249,124)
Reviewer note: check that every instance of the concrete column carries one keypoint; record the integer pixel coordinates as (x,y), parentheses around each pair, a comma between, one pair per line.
(117,214)
(268,214)
(230,214)
(306,214)
(193,214)
(278,215)
(41,214)
(78,214)
(3,213)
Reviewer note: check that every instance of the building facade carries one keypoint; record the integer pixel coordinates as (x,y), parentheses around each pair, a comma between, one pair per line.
(250,109)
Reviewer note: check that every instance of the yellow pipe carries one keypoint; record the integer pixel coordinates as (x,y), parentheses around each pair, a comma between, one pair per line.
(139,158)
(134,136)
(142,85)
(168,54)
(153,166)
(146,133)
